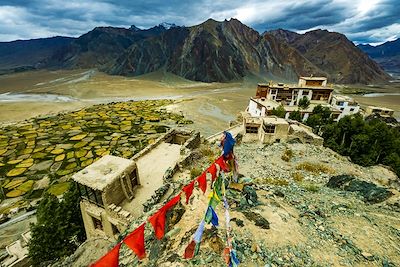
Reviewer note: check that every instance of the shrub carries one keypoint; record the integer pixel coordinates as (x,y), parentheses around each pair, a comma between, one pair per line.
(295,115)
(311,187)
(298,177)
(196,171)
(304,103)
(279,111)
(314,167)
(287,155)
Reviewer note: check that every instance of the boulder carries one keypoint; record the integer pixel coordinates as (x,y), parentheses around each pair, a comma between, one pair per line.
(369,191)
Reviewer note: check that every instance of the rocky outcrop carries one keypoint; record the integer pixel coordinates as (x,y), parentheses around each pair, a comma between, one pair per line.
(369,191)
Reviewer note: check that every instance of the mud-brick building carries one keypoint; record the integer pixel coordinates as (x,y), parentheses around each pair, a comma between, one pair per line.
(272,129)
(103,185)
(114,190)
(382,111)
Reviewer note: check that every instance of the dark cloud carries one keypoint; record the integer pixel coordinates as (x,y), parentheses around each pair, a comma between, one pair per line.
(361,20)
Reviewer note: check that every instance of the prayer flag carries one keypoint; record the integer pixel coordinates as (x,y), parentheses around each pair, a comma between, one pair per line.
(135,241)
(172,202)
(211,216)
(188,189)
(227,255)
(189,251)
(213,171)
(157,220)
(222,164)
(199,232)
(214,200)
(234,260)
(111,259)
(202,182)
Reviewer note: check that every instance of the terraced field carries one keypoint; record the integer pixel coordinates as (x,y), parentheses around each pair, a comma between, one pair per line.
(42,153)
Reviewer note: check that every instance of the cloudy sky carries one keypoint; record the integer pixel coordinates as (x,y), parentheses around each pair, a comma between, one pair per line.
(363,21)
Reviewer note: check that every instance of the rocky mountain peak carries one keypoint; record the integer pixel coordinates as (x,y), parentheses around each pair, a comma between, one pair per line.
(134,28)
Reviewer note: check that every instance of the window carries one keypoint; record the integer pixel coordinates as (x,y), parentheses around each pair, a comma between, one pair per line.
(340,103)
(115,229)
(305,92)
(251,129)
(352,109)
(90,194)
(97,224)
(269,128)
(273,92)
(134,178)
(341,109)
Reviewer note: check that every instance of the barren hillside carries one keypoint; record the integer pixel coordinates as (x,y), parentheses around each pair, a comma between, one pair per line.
(282,214)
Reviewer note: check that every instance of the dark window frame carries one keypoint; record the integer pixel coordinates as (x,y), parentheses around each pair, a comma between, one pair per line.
(97,224)
(269,128)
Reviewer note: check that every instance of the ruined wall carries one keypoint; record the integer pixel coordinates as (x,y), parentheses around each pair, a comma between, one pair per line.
(304,134)
(280,134)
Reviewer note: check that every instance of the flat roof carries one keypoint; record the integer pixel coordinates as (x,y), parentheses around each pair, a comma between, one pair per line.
(295,86)
(274,120)
(343,97)
(382,108)
(313,78)
(102,172)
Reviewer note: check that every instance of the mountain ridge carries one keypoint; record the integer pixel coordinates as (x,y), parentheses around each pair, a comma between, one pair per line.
(217,51)
(387,55)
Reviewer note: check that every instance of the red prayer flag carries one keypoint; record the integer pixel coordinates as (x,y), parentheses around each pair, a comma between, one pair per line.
(189,251)
(157,220)
(188,189)
(222,164)
(213,171)
(172,202)
(135,241)
(227,255)
(110,259)
(202,182)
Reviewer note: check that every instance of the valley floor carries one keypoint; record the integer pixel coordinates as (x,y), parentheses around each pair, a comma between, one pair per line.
(210,105)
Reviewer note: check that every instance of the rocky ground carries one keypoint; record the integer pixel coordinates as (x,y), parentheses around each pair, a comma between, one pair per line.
(283,213)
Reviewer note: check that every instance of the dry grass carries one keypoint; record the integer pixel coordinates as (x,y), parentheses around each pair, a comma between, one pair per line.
(311,187)
(315,168)
(298,177)
(287,155)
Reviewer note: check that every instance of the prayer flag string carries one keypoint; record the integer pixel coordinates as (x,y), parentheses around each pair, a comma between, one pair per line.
(135,240)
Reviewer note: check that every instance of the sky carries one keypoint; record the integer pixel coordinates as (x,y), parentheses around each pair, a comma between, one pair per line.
(362,21)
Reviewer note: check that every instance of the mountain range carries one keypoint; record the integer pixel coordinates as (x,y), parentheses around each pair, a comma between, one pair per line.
(212,51)
(387,55)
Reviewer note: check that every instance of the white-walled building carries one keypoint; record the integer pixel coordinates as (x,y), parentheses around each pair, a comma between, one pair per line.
(271,96)
(345,104)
